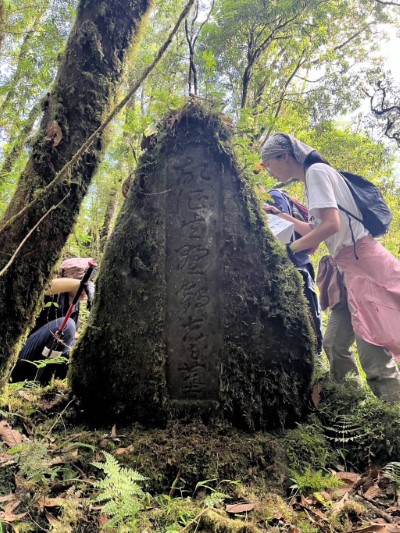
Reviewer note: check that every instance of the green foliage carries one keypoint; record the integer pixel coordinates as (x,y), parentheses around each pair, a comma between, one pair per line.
(216,497)
(35,463)
(121,492)
(314,481)
(307,445)
(358,425)
(34,37)
(391,471)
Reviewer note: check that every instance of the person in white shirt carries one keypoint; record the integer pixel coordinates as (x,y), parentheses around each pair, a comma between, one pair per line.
(371,273)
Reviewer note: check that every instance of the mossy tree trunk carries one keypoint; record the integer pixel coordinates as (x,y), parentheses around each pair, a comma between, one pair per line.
(83,93)
(198,309)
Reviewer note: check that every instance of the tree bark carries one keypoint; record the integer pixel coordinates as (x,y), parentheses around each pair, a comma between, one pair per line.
(110,216)
(89,74)
(198,310)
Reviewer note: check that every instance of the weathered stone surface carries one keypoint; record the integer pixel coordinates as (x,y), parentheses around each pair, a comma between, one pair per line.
(198,311)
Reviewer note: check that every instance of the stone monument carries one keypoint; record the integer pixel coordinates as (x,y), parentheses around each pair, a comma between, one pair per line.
(198,311)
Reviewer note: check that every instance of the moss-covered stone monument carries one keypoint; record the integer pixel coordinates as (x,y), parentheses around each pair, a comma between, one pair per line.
(198,311)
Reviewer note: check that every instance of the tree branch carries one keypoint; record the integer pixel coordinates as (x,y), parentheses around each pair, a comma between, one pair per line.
(11,261)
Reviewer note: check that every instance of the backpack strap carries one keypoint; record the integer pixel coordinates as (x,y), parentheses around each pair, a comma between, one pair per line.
(350,214)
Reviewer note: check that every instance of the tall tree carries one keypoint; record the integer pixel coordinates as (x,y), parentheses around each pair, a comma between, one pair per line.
(270,55)
(89,74)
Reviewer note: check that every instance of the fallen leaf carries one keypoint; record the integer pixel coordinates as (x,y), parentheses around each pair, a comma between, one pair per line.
(121,451)
(373,492)
(322,498)
(239,508)
(8,513)
(10,436)
(50,502)
(7,498)
(348,477)
(372,528)
(6,459)
(57,460)
(53,521)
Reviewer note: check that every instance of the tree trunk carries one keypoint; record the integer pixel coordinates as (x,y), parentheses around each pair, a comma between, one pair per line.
(198,309)
(110,216)
(84,90)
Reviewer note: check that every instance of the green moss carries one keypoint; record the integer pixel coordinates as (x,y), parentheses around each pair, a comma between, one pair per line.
(307,445)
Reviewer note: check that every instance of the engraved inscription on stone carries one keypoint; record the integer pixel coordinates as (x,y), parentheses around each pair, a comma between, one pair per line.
(193,315)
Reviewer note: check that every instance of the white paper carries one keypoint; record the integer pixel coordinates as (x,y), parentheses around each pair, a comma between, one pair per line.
(281,228)
(53,354)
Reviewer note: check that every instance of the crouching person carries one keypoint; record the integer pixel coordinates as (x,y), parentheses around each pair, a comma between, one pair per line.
(42,345)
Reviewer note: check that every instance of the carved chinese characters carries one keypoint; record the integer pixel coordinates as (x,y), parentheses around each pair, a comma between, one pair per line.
(193,313)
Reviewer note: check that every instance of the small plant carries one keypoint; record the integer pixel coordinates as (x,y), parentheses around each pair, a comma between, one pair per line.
(215,498)
(120,491)
(35,463)
(314,481)
(392,472)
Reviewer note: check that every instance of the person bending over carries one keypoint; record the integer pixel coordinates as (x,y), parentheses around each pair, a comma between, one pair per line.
(371,273)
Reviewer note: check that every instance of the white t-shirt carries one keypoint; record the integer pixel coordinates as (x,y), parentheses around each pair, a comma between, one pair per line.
(325,187)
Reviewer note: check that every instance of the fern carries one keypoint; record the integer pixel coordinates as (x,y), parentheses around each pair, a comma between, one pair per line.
(311,481)
(121,492)
(392,472)
(346,429)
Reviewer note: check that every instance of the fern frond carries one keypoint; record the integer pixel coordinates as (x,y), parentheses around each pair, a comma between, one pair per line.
(119,490)
(391,471)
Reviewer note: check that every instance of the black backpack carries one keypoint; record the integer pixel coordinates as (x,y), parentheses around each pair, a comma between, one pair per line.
(376,215)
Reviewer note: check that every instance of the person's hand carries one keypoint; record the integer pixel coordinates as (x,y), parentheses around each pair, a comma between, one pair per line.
(268,208)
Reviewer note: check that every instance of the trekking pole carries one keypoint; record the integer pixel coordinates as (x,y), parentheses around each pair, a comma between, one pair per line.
(59,333)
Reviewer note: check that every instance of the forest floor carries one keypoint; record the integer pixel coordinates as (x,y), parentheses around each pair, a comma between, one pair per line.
(336,472)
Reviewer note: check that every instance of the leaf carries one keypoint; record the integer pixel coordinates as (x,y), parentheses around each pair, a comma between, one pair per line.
(5,459)
(121,451)
(7,498)
(348,477)
(372,492)
(8,514)
(54,522)
(50,502)
(239,508)
(372,528)
(10,436)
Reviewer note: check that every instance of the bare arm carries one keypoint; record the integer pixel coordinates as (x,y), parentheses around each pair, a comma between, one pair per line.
(330,224)
(59,285)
